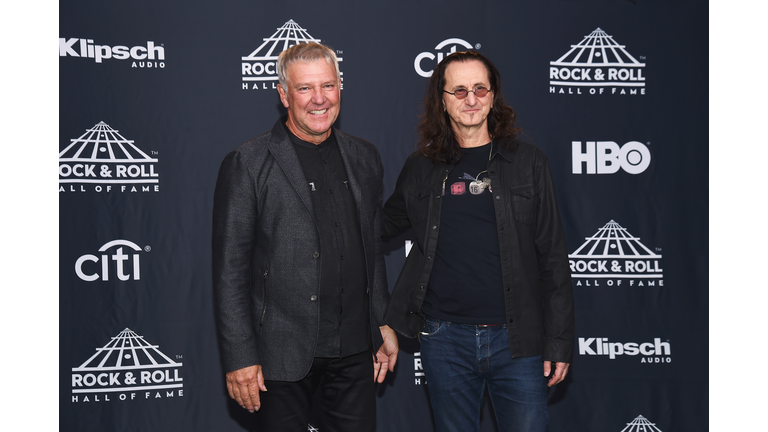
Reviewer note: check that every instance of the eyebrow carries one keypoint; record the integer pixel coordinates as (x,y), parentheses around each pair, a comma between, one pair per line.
(307,84)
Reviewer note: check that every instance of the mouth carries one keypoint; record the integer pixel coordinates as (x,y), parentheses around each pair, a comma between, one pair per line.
(318,112)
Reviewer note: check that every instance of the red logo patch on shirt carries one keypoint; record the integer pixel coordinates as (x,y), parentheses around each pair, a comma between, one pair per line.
(458,188)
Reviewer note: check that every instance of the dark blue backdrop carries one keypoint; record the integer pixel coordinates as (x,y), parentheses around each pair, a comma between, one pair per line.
(152,95)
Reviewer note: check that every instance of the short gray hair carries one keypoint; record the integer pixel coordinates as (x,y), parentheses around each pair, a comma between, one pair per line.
(304,52)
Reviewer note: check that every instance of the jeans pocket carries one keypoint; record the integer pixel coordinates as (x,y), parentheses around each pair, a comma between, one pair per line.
(432,326)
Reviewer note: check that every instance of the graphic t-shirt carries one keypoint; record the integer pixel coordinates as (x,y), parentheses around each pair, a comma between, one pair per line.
(466,285)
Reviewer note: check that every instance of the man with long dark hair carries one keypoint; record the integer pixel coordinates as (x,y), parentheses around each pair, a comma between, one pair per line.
(487,286)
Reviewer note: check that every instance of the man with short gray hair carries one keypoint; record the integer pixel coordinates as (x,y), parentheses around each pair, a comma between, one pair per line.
(299,279)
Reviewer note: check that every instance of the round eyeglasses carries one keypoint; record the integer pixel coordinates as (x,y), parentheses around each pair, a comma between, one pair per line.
(462,93)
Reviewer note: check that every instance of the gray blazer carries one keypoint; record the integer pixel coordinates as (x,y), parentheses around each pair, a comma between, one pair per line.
(266,252)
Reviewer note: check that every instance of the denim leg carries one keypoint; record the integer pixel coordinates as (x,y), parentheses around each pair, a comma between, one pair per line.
(448,354)
(517,387)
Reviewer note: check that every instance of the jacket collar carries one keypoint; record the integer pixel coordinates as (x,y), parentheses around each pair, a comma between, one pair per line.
(281,147)
(505,147)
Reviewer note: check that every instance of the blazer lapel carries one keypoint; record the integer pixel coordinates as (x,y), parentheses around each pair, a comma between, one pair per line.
(281,147)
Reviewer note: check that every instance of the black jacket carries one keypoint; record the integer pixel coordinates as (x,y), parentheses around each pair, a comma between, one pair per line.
(537,281)
(267,257)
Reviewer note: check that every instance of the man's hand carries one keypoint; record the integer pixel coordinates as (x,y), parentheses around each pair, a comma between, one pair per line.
(244,386)
(385,358)
(561,370)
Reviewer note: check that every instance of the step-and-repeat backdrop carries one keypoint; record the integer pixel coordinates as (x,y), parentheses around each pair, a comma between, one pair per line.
(152,95)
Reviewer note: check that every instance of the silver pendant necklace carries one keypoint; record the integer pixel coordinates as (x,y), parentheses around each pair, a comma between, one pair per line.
(476,186)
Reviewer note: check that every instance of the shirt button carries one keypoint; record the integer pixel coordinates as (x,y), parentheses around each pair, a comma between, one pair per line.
(313,298)
(434,227)
(498,197)
(316,254)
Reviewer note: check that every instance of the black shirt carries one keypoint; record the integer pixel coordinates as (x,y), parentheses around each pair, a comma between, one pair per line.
(344,325)
(466,285)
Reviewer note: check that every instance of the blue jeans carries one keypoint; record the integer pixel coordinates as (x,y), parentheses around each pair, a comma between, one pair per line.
(460,359)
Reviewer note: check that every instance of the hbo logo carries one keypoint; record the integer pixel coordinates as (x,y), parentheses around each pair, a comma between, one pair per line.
(606,157)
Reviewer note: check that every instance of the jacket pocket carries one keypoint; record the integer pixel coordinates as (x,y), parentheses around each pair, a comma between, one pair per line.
(417,204)
(524,203)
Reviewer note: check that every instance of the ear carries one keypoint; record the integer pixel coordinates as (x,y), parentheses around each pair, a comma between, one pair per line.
(283,95)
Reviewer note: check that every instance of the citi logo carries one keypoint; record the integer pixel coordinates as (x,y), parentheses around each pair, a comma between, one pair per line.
(602,347)
(85,48)
(596,65)
(443,49)
(259,68)
(118,258)
(607,157)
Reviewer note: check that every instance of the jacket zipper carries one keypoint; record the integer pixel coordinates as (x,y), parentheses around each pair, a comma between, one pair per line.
(264,310)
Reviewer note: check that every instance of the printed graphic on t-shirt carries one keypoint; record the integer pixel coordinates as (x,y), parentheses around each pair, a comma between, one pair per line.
(458,188)
(476,185)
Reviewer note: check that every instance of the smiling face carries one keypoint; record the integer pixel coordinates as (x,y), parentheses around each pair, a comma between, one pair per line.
(313,99)
(469,115)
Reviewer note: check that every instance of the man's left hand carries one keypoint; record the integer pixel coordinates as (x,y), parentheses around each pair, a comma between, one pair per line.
(385,358)
(561,370)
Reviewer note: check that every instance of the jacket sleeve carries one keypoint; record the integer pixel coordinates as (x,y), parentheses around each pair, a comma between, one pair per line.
(234,218)
(554,271)
(396,220)
(380,287)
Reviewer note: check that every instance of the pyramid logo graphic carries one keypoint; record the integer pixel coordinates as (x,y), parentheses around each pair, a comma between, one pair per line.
(127,363)
(598,61)
(641,424)
(102,156)
(260,65)
(613,253)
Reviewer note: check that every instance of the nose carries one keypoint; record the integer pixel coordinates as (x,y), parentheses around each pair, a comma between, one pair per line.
(471,99)
(317,96)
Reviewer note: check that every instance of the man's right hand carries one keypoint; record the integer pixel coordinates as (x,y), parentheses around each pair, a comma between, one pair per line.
(244,386)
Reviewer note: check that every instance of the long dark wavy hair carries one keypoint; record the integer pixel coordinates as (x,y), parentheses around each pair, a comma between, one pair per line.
(436,138)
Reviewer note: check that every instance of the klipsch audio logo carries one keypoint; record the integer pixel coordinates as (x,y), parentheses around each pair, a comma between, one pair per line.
(127,368)
(614,257)
(119,259)
(641,424)
(102,160)
(259,68)
(597,65)
(149,56)
(425,62)
(607,157)
(649,352)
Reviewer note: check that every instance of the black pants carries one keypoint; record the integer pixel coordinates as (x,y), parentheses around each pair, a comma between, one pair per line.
(347,391)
